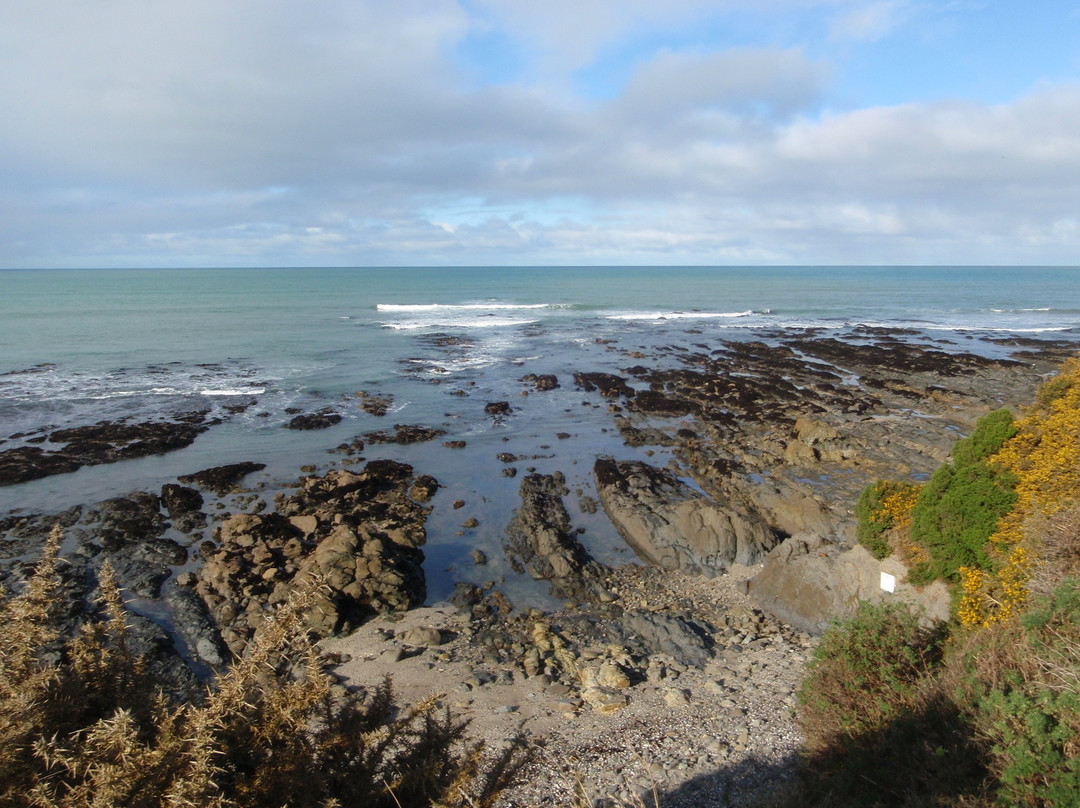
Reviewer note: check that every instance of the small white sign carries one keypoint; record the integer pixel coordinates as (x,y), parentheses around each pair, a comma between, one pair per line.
(888,582)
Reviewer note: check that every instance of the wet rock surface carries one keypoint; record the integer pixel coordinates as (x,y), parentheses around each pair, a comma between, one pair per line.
(542,542)
(405,434)
(374,404)
(66,450)
(222,480)
(323,419)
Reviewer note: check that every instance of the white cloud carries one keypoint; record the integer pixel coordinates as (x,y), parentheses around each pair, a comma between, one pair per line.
(868,22)
(209,133)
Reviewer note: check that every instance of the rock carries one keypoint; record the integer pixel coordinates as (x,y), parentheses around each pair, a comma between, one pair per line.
(222,480)
(546,381)
(479,558)
(97,444)
(358,534)
(405,434)
(428,637)
(471,522)
(676,697)
(184,506)
(121,521)
(612,676)
(605,700)
(609,385)
(808,582)
(669,524)
(542,542)
(194,624)
(687,642)
(323,419)
(498,408)
(373,404)
(424,488)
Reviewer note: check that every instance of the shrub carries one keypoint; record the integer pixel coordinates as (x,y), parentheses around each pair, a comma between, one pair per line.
(990,433)
(865,671)
(959,508)
(1044,459)
(89,729)
(881,507)
(1026,701)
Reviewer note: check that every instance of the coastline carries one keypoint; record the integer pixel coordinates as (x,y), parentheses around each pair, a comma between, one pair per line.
(789,427)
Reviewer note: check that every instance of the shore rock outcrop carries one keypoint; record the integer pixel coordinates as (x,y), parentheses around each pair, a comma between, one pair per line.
(97,444)
(542,542)
(222,480)
(669,524)
(356,533)
(809,581)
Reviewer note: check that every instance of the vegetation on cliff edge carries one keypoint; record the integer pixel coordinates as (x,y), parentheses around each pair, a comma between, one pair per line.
(985,711)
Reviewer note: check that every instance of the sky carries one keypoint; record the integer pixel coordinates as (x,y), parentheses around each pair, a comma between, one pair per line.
(159,133)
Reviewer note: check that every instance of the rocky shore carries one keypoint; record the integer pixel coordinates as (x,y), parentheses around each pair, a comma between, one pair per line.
(677,672)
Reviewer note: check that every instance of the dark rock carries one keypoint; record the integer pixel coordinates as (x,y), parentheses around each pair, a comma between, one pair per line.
(609,385)
(374,405)
(542,542)
(195,626)
(222,480)
(184,507)
(498,408)
(323,419)
(126,520)
(546,381)
(97,444)
(685,641)
(405,434)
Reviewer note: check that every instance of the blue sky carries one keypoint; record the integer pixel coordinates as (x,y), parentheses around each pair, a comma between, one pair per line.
(443,132)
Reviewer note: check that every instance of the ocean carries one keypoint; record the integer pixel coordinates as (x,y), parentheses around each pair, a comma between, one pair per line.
(82,346)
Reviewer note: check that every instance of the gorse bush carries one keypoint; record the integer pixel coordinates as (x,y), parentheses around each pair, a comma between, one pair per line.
(959,508)
(865,671)
(1023,699)
(1044,459)
(883,506)
(81,725)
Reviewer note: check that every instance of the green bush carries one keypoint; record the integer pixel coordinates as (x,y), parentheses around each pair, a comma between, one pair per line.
(865,671)
(990,433)
(961,505)
(1028,702)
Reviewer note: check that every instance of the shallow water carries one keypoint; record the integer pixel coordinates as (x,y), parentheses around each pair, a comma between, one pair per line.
(78,347)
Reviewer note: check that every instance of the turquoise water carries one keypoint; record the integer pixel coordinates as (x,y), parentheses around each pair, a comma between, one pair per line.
(80,346)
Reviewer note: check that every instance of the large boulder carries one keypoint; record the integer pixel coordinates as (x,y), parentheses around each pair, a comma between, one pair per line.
(671,525)
(808,582)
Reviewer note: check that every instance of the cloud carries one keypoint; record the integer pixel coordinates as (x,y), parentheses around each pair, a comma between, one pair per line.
(208,133)
(869,22)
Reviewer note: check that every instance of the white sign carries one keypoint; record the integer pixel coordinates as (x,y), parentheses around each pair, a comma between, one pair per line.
(888,582)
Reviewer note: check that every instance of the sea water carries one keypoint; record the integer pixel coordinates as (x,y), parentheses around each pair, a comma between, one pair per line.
(82,346)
